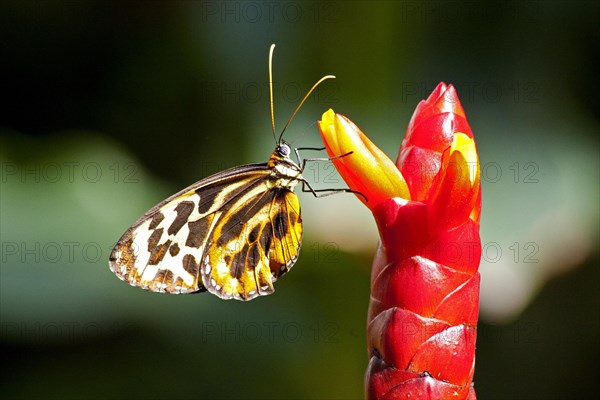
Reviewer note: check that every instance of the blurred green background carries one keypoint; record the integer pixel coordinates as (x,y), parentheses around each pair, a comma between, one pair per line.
(111,106)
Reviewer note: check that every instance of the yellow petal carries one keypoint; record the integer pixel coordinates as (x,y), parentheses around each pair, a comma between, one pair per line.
(466,146)
(367,169)
(456,188)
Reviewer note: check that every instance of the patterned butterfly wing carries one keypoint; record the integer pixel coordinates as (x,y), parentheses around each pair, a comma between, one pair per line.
(254,247)
(232,234)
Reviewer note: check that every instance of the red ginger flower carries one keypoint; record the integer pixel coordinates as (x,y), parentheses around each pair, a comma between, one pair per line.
(422,319)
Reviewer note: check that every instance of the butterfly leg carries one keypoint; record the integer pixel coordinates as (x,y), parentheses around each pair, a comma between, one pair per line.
(307,188)
(328,192)
(297,151)
(305,160)
(322,192)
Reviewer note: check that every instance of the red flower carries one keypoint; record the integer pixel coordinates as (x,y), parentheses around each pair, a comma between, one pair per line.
(424,282)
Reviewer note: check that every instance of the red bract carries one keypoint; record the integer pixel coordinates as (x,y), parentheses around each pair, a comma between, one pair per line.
(424,302)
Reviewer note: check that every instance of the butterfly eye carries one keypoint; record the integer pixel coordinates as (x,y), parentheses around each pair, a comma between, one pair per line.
(284,149)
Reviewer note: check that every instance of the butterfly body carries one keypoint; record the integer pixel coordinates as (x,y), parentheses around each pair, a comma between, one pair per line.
(232,234)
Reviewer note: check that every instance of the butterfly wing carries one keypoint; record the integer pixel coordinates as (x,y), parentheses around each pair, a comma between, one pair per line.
(255,246)
(179,242)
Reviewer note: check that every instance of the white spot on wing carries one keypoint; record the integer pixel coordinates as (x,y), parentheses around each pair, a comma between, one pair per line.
(149,272)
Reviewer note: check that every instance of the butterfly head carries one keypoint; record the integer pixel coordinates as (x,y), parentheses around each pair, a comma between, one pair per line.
(281,162)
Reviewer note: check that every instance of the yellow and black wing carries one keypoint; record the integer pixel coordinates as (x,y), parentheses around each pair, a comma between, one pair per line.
(232,234)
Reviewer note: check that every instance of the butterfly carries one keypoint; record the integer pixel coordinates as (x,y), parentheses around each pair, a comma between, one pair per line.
(232,234)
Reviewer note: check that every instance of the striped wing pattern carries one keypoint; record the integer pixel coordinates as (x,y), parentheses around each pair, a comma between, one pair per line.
(232,234)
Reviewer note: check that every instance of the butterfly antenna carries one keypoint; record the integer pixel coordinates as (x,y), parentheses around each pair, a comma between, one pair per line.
(271,89)
(302,102)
